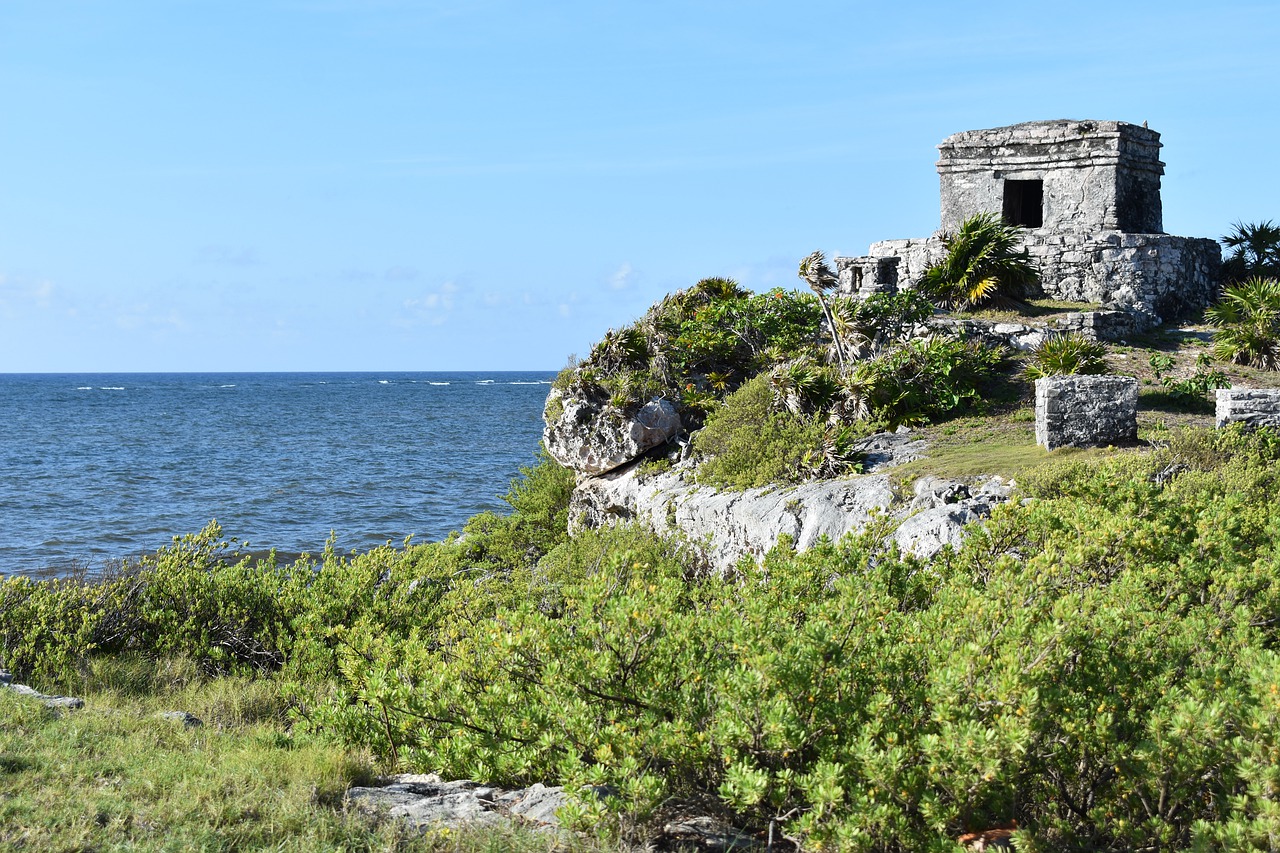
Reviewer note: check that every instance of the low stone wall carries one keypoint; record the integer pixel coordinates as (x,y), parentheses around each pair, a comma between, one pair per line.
(1086,411)
(1150,278)
(1154,277)
(1257,407)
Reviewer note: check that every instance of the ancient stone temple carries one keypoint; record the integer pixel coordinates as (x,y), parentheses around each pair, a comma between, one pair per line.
(1087,194)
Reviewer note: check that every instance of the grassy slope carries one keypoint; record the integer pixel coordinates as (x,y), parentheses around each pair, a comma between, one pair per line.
(117,776)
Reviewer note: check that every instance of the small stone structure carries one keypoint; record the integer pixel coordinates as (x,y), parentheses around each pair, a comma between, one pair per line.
(1088,195)
(1257,407)
(1086,411)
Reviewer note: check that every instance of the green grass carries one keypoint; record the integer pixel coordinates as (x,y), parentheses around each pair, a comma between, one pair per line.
(977,446)
(1028,311)
(116,776)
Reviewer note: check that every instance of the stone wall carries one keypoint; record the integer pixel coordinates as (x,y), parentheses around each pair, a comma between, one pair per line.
(1086,411)
(1154,277)
(1090,175)
(1257,407)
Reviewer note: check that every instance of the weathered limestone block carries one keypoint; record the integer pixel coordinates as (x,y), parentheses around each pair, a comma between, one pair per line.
(591,436)
(52,701)
(1106,325)
(1257,407)
(1018,336)
(1086,411)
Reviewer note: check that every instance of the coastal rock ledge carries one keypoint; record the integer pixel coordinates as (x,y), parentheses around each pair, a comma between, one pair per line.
(731,525)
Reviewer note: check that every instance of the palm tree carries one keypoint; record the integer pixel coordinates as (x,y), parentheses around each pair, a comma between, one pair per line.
(820,278)
(983,262)
(1255,251)
(1248,323)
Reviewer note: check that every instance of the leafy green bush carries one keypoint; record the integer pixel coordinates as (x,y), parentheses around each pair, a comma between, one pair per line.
(983,263)
(746,443)
(1192,389)
(1066,355)
(199,601)
(924,379)
(1097,663)
(1247,321)
(695,346)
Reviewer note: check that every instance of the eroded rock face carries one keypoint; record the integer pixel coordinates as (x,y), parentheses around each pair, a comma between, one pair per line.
(729,525)
(591,437)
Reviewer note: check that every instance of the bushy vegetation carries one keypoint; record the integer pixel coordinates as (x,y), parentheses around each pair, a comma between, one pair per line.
(1066,355)
(1254,252)
(983,264)
(1247,323)
(229,614)
(1097,664)
(748,443)
(695,346)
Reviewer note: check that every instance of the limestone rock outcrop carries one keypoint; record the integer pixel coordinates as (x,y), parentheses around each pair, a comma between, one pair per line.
(729,525)
(425,801)
(590,436)
(63,703)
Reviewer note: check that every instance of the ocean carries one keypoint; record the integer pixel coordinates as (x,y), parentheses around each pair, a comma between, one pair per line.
(99,467)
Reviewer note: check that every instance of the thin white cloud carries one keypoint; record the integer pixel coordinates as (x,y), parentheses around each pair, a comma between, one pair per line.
(621,278)
(400,274)
(432,308)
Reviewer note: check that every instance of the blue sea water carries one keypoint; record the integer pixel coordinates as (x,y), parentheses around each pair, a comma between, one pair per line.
(97,467)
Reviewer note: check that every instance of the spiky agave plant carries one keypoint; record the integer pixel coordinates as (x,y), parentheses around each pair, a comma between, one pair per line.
(983,262)
(1065,355)
(1247,322)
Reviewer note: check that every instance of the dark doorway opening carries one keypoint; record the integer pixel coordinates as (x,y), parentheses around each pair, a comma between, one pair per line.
(1024,203)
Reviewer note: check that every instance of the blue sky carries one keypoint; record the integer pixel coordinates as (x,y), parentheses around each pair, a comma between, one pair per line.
(400,185)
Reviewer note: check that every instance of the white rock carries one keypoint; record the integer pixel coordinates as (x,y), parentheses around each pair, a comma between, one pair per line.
(592,437)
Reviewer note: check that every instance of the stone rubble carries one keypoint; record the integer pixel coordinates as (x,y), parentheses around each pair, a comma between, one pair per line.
(427,802)
(63,703)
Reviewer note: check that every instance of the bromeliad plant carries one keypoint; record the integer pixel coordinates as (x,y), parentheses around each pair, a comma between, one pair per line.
(983,264)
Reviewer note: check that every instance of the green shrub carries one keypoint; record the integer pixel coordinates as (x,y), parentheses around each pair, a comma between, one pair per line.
(695,346)
(1190,390)
(747,444)
(1247,322)
(199,602)
(982,263)
(924,379)
(1067,355)
(1097,663)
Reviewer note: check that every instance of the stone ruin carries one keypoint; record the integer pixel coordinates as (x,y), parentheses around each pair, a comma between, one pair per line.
(1087,194)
